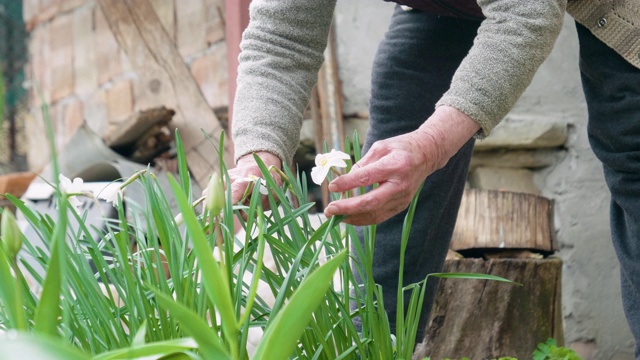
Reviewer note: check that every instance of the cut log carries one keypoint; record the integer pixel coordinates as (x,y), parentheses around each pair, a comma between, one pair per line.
(490,219)
(167,80)
(131,130)
(482,319)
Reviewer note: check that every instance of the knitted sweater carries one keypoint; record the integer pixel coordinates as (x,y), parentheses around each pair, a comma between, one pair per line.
(282,51)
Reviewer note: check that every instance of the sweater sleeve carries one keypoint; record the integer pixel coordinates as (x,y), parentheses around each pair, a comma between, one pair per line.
(512,42)
(281,53)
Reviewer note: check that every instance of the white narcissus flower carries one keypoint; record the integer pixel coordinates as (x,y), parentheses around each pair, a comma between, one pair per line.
(110,194)
(71,189)
(253,179)
(324,163)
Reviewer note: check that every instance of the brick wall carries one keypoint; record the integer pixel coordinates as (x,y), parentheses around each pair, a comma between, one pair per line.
(77,67)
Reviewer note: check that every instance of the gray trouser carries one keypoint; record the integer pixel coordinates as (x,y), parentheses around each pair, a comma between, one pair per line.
(412,70)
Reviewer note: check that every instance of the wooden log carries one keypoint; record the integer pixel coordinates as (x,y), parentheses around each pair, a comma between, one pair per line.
(491,219)
(168,81)
(482,319)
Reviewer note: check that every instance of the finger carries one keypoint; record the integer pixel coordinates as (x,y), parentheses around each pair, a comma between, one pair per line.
(376,205)
(362,176)
(237,191)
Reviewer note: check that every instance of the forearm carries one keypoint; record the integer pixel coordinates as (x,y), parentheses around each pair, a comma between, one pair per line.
(512,42)
(444,133)
(281,52)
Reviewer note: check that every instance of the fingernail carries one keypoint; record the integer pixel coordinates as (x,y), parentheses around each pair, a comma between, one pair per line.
(333,187)
(330,210)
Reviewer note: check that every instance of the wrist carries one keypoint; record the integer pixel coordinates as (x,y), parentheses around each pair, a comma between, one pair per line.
(446,131)
(266,157)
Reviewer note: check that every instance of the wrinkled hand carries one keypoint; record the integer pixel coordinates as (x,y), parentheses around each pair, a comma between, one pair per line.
(399,165)
(247,167)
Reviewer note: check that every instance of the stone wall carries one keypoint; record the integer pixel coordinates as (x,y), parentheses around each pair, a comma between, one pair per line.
(79,70)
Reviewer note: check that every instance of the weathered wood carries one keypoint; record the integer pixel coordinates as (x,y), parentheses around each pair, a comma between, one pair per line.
(326,107)
(166,80)
(330,95)
(132,129)
(503,219)
(482,319)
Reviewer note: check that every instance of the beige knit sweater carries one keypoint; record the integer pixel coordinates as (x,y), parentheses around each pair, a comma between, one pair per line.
(282,50)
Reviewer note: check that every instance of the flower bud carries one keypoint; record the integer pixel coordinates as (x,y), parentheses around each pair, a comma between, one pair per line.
(11,234)
(215,195)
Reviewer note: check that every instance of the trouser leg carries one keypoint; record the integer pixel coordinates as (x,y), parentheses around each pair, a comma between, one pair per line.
(412,69)
(612,89)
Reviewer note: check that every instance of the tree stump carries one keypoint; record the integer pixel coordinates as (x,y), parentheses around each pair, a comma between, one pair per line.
(504,220)
(482,319)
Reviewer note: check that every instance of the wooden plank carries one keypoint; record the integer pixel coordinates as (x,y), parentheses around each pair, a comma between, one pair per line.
(326,107)
(330,95)
(166,78)
(490,219)
(236,20)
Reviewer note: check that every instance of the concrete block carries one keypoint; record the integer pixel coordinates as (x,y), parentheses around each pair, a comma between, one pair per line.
(61,57)
(530,159)
(191,30)
(531,133)
(120,101)
(68,5)
(95,112)
(165,9)
(38,154)
(40,75)
(30,10)
(73,117)
(47,10)
(211,75)
(84,52)
(491,178)
(214,21)
(108,51)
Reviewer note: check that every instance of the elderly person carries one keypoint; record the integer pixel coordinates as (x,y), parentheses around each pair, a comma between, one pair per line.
(446,72)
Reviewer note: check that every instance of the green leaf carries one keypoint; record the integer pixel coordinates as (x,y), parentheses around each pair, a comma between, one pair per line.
(280,339)
(473,276)
(215,284)
(183,171)
(10,294)
(31,346)
(209,342)
(155,349)
(138,340)
(48,311)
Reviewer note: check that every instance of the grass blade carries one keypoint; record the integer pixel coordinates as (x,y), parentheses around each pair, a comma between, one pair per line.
(280,339)
(208,341)
(31,346)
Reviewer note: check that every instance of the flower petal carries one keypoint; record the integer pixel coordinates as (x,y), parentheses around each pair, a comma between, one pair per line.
(337,158)
(319,173)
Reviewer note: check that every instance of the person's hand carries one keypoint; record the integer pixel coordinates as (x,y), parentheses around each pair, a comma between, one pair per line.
(399,165)
(245,169)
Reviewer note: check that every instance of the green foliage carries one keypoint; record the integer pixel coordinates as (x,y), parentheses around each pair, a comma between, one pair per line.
(551,351)
(149,286)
